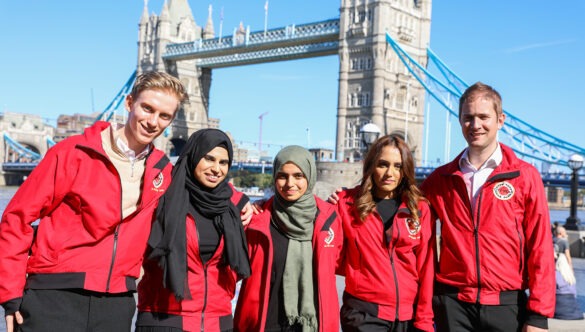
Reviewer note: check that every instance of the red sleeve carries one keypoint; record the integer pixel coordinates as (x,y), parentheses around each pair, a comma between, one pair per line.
(425,266)
(538,250)
(35,198)
(342,216)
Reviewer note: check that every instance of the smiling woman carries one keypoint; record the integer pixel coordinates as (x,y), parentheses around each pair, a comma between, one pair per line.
(197,245)
(290,182)
(294,244)
(213,167)
(387,223)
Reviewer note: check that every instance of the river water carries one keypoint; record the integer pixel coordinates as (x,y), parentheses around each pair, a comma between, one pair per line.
(6,194)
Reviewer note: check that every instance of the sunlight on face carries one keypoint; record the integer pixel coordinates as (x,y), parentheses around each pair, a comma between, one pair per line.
(290,182)
(388,172)
(213,167)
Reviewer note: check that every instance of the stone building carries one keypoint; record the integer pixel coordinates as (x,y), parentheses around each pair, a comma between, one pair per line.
(321,154)
(176,24)
(374,85)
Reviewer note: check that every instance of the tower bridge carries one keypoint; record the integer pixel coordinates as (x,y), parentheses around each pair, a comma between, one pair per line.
(384,78)
(373,85)
(25,138)
(286,43)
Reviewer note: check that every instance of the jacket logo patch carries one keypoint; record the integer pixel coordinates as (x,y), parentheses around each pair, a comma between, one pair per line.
(158,181)
(329,238)
(413,227)
(504,190)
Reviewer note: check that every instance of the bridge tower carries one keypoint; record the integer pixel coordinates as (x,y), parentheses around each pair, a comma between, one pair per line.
(374,86)
(31,133)
(176,24)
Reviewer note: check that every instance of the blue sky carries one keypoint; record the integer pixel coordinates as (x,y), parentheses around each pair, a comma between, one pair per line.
(63,57)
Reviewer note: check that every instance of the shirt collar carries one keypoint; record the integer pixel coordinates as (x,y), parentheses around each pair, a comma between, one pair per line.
(123,147)
(492,162)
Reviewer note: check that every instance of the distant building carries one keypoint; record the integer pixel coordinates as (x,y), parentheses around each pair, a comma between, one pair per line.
(213,123)
(323,154)
(69,125)
(239,153)
(555,195)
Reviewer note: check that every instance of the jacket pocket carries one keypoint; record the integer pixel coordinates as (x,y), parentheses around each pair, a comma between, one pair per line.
(520,245)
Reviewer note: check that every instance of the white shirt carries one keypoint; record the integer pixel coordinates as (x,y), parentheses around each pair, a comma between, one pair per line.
(475,178)
(129,153)
(123,147)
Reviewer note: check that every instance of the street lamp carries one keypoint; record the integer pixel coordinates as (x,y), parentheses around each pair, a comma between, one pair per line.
(369,133)
(575,164)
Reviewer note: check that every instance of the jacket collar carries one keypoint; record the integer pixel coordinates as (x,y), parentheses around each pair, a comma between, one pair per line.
(91,138)
(510,164)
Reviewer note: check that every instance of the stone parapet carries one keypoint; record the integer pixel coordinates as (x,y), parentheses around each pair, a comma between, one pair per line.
(332,175)
(577,242)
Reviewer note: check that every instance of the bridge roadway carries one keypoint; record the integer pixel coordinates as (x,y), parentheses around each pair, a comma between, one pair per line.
(550,179)
(290,42)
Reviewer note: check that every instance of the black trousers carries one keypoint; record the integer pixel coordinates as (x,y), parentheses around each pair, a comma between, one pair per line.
(76,310)
(360,316)
(454,315)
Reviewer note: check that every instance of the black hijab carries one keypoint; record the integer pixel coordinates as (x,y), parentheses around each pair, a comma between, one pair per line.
(168,235)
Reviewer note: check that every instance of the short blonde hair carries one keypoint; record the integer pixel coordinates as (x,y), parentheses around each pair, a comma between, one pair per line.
(154,80)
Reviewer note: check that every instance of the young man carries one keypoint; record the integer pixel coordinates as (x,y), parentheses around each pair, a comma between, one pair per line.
(495,230)
(95,195)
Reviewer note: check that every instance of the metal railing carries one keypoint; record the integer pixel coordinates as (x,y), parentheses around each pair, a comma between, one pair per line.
(244,41)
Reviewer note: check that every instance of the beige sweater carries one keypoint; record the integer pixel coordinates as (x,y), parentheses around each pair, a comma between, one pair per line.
(131,172)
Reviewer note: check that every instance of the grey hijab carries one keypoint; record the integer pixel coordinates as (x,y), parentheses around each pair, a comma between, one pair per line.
(296,221)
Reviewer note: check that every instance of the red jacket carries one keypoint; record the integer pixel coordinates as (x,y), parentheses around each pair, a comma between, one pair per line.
(82,240)
(396,274)
(504,244)
(212,286)
(327,242)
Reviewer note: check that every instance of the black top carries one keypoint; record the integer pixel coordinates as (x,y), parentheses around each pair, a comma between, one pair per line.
(387,209)
(208,236)
(275,317)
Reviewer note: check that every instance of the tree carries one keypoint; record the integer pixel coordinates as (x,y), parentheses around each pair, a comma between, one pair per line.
(246,179)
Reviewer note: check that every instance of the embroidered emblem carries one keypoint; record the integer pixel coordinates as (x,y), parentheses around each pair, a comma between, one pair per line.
(158,181)
(504,190)
(413,227)
(330,237)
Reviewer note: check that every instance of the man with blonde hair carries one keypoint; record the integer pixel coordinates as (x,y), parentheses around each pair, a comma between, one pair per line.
(94,195)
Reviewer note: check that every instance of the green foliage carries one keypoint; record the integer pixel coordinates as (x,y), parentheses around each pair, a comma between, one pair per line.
(244,178)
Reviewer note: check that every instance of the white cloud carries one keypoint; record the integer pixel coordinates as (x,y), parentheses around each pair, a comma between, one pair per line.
(523,48)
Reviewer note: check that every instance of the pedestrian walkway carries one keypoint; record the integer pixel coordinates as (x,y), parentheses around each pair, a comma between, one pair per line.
(556,325)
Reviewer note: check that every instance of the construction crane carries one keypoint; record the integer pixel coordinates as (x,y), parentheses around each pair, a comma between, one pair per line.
(260,136)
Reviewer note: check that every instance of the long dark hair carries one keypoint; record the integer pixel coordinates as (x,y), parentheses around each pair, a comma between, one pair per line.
(407,189)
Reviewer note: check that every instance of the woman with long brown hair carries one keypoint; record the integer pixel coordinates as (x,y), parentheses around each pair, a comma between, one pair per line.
(388,255)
